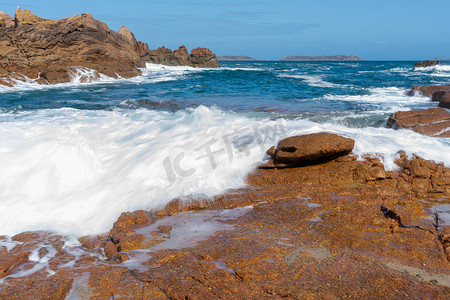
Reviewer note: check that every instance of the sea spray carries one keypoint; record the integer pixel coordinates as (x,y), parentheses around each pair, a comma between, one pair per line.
(73,156)
(75,171)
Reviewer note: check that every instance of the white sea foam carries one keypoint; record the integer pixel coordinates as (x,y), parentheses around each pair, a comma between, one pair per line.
(82,76)
(440,71)
(60,168)
(436,68)
(79,76)
(75,171)
(314,80)
(391,98)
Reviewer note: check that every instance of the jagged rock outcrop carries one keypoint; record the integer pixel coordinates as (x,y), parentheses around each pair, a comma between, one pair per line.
(199,57)
(47,49)
(37,47)
(438,93)
(308,149)
(432,121)
(427,63)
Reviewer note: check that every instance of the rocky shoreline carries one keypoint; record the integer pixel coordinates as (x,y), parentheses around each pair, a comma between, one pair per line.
(331,229)
(47,50)
(313,222)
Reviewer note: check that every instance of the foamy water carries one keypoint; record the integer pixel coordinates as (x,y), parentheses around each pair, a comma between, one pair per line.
(98,146)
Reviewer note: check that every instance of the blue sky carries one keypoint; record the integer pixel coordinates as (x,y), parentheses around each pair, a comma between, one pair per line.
(373,30)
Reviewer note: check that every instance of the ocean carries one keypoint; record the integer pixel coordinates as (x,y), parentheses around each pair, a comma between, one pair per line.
(74,156)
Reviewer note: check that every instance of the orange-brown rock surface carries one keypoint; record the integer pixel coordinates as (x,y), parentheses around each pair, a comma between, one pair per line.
(431,121)
(48,50)
(313,232)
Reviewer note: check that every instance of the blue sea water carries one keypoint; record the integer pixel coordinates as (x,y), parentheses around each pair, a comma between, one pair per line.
(70,151)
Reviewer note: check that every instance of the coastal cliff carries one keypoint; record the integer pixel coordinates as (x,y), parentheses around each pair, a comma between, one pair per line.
(48,49)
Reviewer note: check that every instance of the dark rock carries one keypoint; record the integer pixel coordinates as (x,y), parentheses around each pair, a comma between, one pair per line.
(427,63)
(199,57)
(437,96)
(432,121)
(445,101)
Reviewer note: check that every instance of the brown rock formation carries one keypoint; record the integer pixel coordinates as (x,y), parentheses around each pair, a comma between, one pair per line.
(308,149)
(432,121)
(314,232)
(428,90)
(427,63)
(47,49)
(6,20)
(199,57)
(438,93)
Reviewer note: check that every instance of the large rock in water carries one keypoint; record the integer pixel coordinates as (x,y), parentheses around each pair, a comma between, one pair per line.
(438,93)
(308,149)
(427,63)
(432,121)
(428,90)
(199,57)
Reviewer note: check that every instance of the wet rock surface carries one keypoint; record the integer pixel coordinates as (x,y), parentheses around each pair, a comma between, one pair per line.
(307,232)
(432,121)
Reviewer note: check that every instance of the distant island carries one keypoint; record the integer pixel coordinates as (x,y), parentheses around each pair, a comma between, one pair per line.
(322,58)
(238,58)
(441,59)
